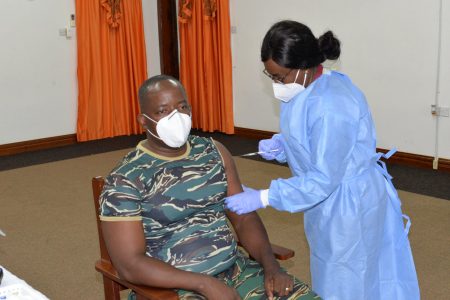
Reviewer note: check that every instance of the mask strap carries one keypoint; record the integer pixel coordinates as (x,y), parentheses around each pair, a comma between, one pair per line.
(148,130)
(150,118)
(296,75)
(168,116)
(172,114)
(304,78)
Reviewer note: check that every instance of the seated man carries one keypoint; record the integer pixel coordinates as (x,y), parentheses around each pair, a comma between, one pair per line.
(163,217)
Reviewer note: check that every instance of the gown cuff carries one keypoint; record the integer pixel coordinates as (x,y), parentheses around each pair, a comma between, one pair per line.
(265,197)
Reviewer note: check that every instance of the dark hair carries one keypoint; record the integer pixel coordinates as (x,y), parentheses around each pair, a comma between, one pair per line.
(293,45)
(150,83)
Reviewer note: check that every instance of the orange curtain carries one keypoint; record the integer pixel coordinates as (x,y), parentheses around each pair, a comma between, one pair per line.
(111,67)
(205,62)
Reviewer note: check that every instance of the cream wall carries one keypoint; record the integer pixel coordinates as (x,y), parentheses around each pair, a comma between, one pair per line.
(444,86)
(38,84)
(37,70)
(149,9)
(389,49)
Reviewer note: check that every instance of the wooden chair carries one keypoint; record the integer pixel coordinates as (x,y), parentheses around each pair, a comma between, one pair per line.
(113,284)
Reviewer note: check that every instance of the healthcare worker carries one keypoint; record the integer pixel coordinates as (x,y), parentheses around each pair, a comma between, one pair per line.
(359,247)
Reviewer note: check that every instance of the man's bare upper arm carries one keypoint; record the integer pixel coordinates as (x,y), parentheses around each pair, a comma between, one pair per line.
(125,241)
(234,186)
(234,183)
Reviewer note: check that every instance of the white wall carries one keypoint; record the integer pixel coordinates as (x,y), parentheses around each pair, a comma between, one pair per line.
(37,70)
(444,95)
(389,49)
(38,84)
(149,10)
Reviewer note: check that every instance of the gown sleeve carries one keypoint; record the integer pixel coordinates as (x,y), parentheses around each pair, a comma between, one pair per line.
(331,140)
(280,157)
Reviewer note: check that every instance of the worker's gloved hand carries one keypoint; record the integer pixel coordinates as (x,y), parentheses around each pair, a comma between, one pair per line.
(272,148)
(247,201)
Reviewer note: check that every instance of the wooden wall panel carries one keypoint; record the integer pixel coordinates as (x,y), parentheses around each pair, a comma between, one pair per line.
(168,37)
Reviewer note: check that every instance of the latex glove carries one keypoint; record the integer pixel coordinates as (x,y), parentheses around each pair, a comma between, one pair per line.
(271,148)
(247,201)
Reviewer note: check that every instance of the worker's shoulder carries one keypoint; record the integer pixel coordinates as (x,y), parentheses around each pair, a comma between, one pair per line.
(334,93)
(335,84)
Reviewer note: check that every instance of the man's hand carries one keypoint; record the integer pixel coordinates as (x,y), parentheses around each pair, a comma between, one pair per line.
(277,282)
(214,289)
(245,202)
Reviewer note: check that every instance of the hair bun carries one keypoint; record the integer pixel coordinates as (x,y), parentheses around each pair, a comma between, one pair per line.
(329,45)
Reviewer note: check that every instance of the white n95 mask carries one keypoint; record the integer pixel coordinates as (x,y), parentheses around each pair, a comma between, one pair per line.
(173,129)
(285,92)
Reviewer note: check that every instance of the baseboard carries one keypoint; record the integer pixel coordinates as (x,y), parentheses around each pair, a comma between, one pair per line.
(39,144)
(403,158)
(253,133)
(444,165)
(417,160)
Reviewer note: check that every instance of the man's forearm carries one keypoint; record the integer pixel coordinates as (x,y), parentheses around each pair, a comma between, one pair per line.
(254,238)
(153,272)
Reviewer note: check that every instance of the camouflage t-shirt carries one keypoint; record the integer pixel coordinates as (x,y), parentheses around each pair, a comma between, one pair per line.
(180,202)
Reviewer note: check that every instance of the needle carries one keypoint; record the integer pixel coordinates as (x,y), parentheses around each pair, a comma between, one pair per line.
(256,153)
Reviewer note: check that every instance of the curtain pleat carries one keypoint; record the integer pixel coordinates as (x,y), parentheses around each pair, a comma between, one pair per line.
(205,63)
(111,67)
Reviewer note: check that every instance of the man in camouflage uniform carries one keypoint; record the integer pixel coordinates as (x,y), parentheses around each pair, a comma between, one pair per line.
(163,217)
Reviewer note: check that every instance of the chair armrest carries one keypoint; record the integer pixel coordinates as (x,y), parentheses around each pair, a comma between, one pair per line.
(151,293)
(280,252)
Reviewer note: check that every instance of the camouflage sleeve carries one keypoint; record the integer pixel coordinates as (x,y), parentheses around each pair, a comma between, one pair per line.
(120,200)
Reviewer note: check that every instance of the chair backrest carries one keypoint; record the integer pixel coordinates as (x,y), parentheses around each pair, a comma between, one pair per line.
(97,186)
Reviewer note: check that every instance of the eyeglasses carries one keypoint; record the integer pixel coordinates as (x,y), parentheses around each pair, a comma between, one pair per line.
(277,78)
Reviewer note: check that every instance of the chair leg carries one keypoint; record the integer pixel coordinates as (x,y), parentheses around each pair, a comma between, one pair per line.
(111,288)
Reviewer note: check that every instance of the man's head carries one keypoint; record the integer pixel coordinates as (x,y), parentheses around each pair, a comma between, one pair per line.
(161,97)
(154,85)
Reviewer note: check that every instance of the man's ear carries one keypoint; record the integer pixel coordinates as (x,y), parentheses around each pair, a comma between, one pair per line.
(141,120)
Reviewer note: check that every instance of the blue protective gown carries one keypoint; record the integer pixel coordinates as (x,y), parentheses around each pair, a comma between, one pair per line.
(359,246)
